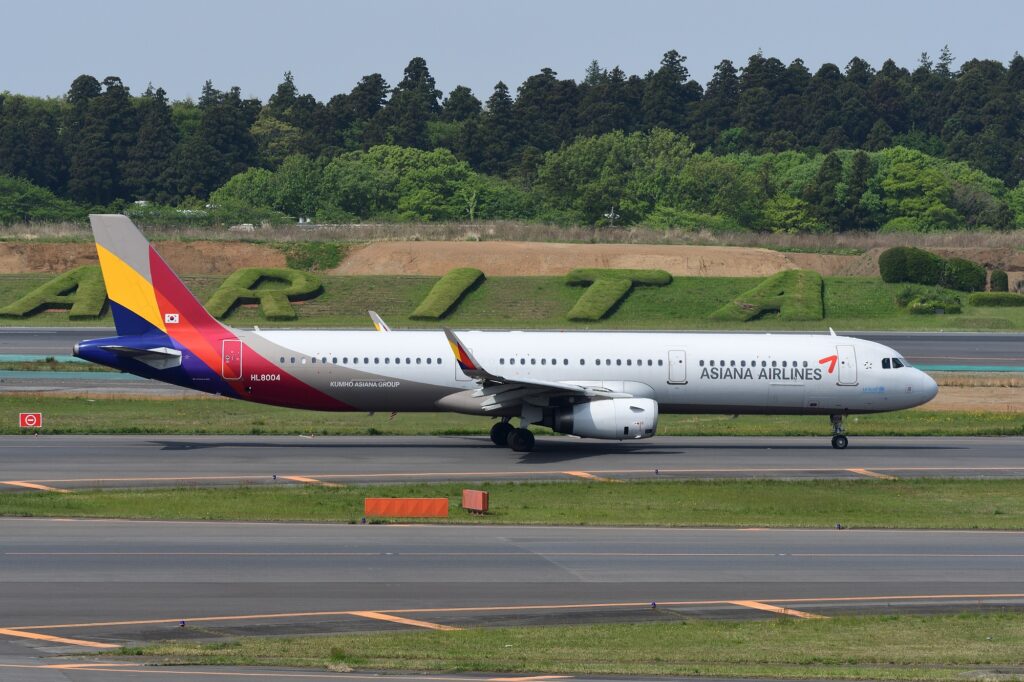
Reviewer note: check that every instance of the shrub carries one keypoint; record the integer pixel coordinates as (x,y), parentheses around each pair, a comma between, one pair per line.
(932,306)
(446,293)
(793,294)
(999,281)
(243,286)
(996,299)
(313,255)
(607,288)
(963,275)
(907,264)
(922,300)
(81,290)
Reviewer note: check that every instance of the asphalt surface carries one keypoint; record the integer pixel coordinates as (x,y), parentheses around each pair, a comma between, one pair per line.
(110,582)
(930,348)
(68,462)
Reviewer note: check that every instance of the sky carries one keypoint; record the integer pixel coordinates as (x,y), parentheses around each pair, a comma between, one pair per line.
(328,46)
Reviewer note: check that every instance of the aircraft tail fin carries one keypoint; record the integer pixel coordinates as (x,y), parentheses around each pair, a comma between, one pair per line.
(146,297)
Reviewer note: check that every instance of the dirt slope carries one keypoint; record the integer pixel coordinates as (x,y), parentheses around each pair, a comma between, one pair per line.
(186,258)
(530,258)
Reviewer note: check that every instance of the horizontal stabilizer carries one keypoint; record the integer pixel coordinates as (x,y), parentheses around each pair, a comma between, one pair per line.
(157,358)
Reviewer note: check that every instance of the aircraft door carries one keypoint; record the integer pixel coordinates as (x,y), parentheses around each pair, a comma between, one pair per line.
(677,367)
(231,359)
(847,361)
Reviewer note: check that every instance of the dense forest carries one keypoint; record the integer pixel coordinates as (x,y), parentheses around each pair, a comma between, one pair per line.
(763,146)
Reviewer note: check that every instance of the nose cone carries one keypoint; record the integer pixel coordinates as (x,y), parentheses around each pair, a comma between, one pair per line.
(928,388)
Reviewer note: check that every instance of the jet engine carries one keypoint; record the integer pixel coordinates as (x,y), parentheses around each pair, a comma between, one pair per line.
(611,418)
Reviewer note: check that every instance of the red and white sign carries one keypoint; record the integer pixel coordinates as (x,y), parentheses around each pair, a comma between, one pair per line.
(30,420)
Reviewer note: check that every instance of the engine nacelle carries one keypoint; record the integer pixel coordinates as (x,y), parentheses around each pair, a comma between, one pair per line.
(611,419)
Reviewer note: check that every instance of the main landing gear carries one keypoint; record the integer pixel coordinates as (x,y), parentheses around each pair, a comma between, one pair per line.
(504,434)
(839,441)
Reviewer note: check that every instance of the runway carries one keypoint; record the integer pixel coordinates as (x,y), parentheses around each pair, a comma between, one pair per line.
(69,462)
(93,584)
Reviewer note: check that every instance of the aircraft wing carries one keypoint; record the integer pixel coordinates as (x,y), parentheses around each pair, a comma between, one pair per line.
(498,391)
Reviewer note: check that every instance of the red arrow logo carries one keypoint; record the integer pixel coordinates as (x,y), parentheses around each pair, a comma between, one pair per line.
(831,360)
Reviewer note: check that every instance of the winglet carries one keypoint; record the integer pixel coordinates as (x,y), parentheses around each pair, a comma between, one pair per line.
(379,323)
(467,363)
(831,331)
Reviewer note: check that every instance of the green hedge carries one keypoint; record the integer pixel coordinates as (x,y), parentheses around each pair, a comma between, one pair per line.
(446,294)
(246,286)
(607,287)
(907,264)
(654,278)
(81,290)
(996,299)
(1000,281)
(963,275)
(793,294)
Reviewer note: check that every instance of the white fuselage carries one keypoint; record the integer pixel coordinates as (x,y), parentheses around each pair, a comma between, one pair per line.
(682,372)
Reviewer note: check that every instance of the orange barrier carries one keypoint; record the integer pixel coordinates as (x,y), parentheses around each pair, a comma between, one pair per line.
(406,507)
(475,501)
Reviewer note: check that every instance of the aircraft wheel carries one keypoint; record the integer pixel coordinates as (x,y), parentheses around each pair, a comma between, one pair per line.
(499,433)
(520,440)
(840,442)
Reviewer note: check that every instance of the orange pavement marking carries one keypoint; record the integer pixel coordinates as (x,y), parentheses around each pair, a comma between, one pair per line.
(35,486)
(377,615)
(584,474)
(761,606)
(58,640)
(872,474)
(312,481)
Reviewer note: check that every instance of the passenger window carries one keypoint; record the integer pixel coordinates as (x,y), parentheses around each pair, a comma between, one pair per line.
(303,360)
(732,363)
(543,361)
(387,361)
(501,361)
(418,360)
(293,360)
(660,363)
(783,363)
(428,361)
(439,361)
(582,361)
(533,361)
(896,364)
(597,362)
(282,361)
(619,362)
(355,361)
(565,361)
(649,363)
(885,363)
(314,361)
(366,361)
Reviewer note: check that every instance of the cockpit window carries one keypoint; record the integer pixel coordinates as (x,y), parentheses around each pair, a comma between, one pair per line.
(897,363)
(886,363)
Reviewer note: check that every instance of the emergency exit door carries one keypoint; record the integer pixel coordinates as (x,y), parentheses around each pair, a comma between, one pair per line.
(231,359)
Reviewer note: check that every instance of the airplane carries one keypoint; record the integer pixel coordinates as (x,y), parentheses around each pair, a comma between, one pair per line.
(606,385)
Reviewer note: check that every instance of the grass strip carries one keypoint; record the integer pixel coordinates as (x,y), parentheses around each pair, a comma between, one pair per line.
(909,503)
(946,647)
(223,416)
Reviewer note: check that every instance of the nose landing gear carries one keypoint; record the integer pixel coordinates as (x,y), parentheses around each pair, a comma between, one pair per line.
(839,441)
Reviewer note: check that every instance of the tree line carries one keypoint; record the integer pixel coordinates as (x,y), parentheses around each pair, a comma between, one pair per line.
(99,144)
